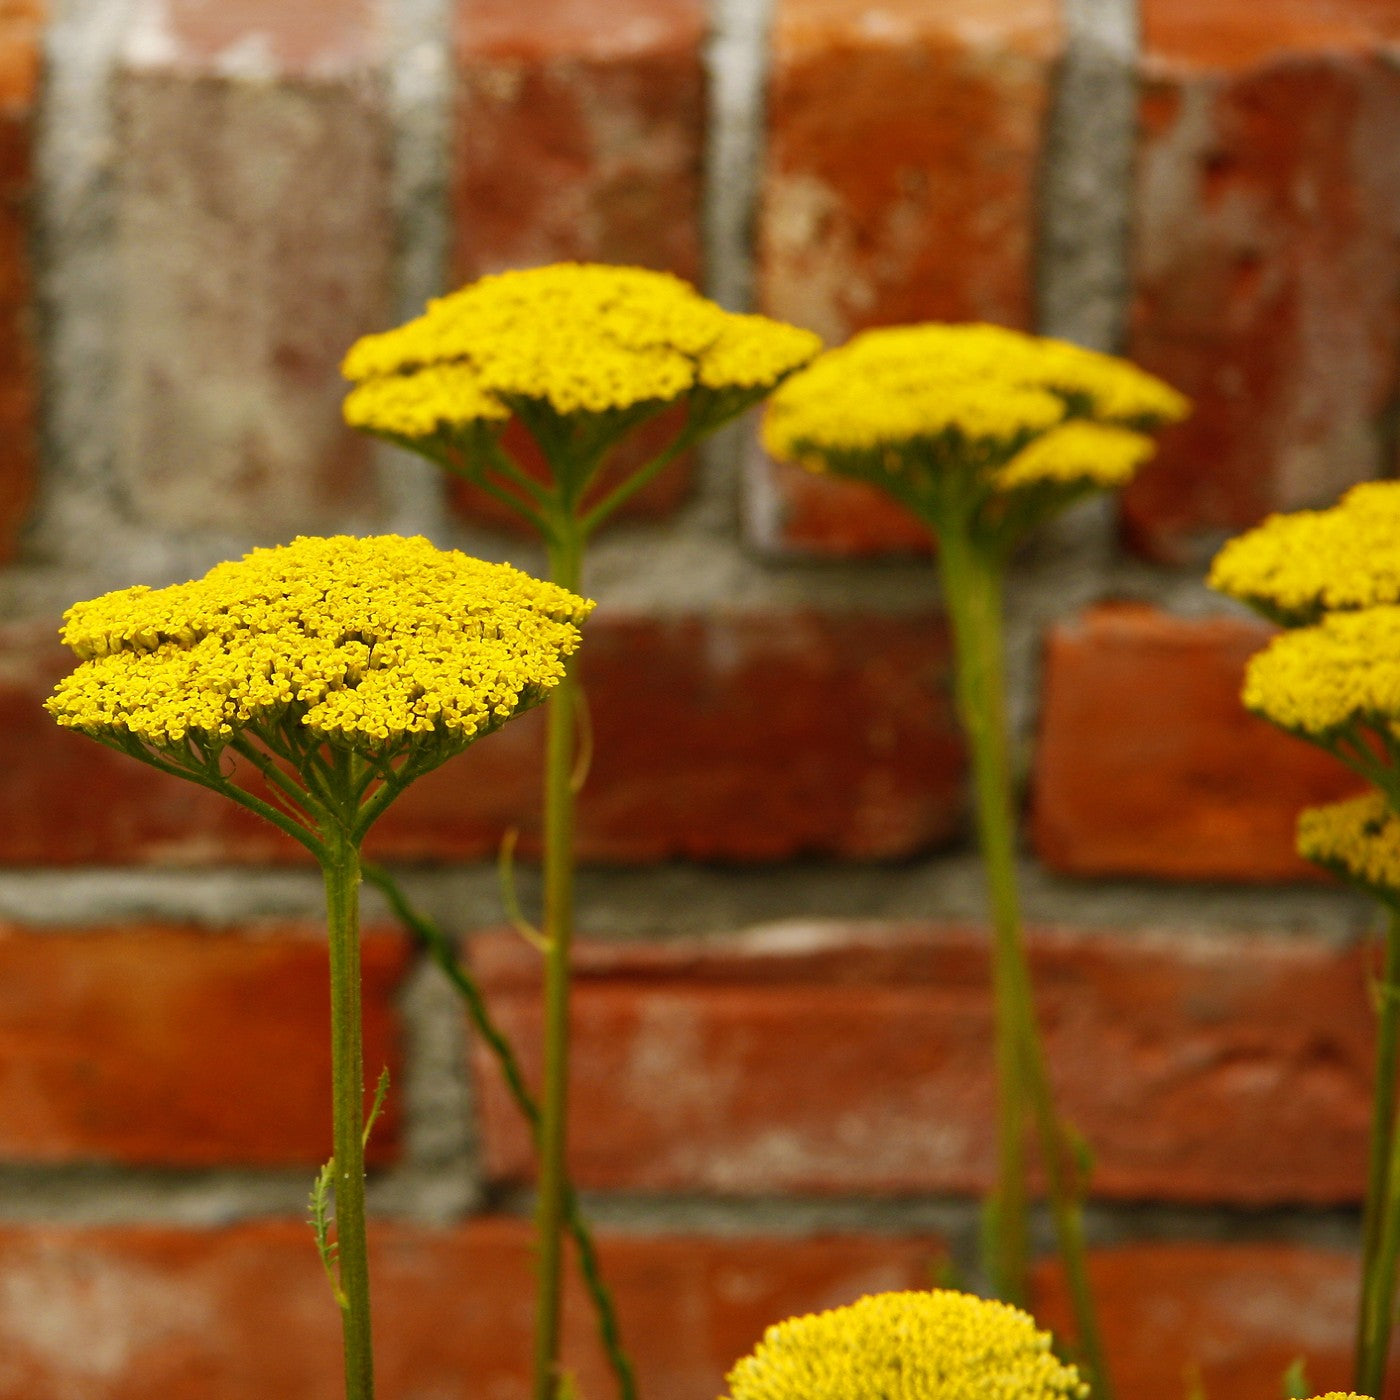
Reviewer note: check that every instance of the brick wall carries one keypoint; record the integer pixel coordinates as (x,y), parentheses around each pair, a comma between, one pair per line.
(782,1059)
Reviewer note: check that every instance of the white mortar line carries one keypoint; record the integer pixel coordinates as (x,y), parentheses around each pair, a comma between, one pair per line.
(76,279)
(420,105)
(1087,185)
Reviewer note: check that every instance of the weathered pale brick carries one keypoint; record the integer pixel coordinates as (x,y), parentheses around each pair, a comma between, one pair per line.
(1267,259)
(856,1059)
(254,241)
(1149,765)
(244,1313)
(1216,1319)
(742,736)
(173,1046)
(20,32)
(903,147)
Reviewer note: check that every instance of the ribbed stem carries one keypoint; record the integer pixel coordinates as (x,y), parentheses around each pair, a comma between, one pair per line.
(1382,1215)
(342,878)
(972,591)
(973,597)
(565,556)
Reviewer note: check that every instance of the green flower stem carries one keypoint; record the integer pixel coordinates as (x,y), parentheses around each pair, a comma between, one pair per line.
(972,586)
(342,876)
(439,948)
(1382,1217)
(565,560)
(973,596)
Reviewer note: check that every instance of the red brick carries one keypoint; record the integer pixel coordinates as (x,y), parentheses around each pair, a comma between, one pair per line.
(163,1045)
(580,134)
(1268,259)
(243,1313)
(1218,1319)
(749,737)
(20,26)
(856,1059)
(903,150)
(1149,765)
(253,155)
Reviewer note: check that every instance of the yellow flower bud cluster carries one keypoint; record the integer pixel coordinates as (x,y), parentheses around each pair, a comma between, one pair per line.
(975,391)
(1358,839)
(1319,680)
(937,1345)
(1295,567)
(583,338)
(368,643)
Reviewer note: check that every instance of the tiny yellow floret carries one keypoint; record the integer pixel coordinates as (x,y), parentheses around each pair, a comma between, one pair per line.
(1316,681)
(372,644)
(582,338)
(1358,839)
(1295,567)
(938,1345)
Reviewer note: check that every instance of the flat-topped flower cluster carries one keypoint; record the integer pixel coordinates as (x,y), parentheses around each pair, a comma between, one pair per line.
(580,338)
(1293,568)
(905,406)
(368,642)
(936,1345)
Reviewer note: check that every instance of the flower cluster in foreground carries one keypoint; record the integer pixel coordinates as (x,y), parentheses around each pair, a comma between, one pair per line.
(938,1345)
(909,406)
(368,642)
(579,338)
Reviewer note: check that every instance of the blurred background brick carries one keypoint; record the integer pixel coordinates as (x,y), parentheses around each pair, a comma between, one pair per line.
(254,238)
(857,1059)
(246,1309)
(178,1047)
(1148,764)
(20,39)
(904,142)
(1267,259)
(1221,1318)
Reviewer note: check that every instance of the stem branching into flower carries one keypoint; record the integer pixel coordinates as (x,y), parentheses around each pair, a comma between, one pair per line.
(339,671)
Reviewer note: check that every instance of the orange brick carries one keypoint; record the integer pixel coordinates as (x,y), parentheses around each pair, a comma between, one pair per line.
(858,1059)
(1149,765)
(580,133)
(1222,1319)
(751,737)
(172,1046)
(244,1313)
(903,149)
(1267,259)
(20,34)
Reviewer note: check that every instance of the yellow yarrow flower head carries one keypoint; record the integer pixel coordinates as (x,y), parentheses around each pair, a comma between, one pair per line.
(579,352)
(1293,568)
(1358,840)
(972,419)
(938,1345)
(1323,680)
(387,647)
